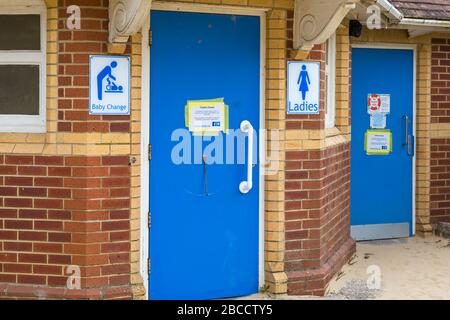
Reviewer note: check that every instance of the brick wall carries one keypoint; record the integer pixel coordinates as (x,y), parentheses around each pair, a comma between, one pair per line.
(440,146)
(317,207)
(65,196)
(317,215)
(317,186)
(99,232)
(75,46)
(61,211)
(440,180)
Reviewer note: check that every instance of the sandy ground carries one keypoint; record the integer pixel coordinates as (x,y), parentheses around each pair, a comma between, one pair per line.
(409,269)
(415,268)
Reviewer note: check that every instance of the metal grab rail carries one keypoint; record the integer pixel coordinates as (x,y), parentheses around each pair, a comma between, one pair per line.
(246,186)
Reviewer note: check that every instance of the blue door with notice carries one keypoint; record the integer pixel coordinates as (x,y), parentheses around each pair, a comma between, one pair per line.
(204,237)
(382,185)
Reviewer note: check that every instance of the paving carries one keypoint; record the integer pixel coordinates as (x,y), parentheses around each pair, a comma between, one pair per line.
(414,268)
(402,269)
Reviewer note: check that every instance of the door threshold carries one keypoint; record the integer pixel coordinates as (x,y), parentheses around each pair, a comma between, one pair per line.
(380,231)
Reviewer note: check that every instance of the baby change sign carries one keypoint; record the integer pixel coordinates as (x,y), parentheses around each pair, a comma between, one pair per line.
(109,85)
(303,88)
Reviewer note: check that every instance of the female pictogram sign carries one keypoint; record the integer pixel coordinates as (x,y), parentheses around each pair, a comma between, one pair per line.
(304,81)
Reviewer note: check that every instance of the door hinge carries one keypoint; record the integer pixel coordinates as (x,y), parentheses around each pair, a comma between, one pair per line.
(149,220)
(149,266)
(150,38)
(149,152)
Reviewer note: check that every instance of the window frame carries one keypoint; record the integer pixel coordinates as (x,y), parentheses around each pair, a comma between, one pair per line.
(27,123)
(330,75)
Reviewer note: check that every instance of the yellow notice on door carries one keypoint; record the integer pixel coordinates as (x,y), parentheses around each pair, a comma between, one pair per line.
(207,117)
(378,142)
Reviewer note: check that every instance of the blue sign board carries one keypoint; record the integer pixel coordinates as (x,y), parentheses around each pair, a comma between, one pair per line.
(109,85)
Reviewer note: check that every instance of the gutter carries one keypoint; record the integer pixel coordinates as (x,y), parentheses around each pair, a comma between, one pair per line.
(390,9)
(394,13)
(425,23)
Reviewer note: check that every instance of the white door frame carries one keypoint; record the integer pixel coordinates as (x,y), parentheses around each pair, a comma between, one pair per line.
(413,47)
(145,121)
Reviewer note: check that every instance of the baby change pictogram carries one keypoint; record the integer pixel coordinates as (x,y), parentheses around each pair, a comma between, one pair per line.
(109,85)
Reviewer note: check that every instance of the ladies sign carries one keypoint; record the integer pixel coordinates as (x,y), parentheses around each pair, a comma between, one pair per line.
(303,88)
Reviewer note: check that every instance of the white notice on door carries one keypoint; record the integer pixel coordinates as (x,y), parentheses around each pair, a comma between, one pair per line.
(385,103)
(207,118)
(378,142)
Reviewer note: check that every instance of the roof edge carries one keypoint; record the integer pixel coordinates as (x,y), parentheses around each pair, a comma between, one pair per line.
(395,14)
(390,9)
(425,22)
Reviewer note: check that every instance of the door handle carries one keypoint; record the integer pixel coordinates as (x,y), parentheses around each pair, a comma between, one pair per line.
(410,145)
(246,186)
(406,132)
(408,139)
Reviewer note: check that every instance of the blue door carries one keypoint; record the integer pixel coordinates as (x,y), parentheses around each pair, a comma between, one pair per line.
(204,239)
(382,185)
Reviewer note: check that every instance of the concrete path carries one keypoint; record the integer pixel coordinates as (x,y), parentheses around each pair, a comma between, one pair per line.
(410,269)
(415,268)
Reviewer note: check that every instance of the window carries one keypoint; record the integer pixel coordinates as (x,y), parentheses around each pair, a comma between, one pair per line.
(330,76)
(22,68)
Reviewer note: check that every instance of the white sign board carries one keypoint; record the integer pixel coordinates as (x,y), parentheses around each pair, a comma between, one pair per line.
(207,118)
(378,121)
(109,85)
(303,88)
(378,142)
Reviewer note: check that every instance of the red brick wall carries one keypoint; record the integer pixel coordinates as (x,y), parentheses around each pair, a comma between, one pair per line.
(336,211)
(440,181)
(61,211)
(75,46)
(317,214)
(317,193)
(58,211)
(440,148)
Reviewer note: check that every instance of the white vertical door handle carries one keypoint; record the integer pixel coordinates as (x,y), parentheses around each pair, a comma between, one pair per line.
(246,186)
